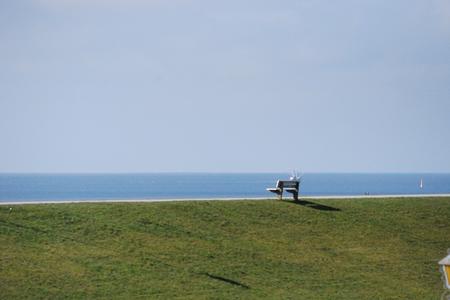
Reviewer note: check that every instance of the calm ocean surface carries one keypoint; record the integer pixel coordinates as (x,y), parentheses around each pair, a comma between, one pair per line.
(33,187)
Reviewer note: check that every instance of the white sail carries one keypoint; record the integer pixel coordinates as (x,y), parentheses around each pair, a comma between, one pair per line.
(294,175)
(421,183)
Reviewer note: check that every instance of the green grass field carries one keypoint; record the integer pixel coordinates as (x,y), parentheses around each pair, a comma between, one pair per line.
(327,249)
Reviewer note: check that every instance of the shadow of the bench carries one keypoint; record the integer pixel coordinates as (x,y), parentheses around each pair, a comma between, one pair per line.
(313,205)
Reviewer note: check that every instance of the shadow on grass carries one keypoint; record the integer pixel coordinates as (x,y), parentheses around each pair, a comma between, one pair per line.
(230,281)
(313,205)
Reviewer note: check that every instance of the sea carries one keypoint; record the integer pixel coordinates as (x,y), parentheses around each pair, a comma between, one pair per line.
(64,187)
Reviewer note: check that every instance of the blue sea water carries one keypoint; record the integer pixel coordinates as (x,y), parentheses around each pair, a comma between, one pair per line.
(34,187)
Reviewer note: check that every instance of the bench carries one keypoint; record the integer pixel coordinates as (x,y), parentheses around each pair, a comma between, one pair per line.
(290,186)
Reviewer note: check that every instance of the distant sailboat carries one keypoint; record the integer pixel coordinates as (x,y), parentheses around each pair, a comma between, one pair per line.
(295,176)
(421,183)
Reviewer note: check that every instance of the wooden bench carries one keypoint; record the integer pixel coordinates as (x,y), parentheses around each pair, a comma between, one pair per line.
(290,186)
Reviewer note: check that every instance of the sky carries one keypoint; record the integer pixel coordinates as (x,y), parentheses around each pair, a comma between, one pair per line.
(224,86)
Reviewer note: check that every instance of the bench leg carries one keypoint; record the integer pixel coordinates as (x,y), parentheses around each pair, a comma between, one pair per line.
(295,195)
(280,196)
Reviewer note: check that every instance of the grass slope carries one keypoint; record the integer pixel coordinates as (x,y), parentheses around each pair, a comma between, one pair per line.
(329,249)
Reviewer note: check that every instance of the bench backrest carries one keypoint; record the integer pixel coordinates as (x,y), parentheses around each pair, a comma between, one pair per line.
(287,184)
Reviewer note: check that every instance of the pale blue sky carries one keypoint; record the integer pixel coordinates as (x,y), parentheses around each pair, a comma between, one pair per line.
(229,86)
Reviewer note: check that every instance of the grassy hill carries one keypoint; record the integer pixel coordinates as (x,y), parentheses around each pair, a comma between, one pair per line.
(327,249)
